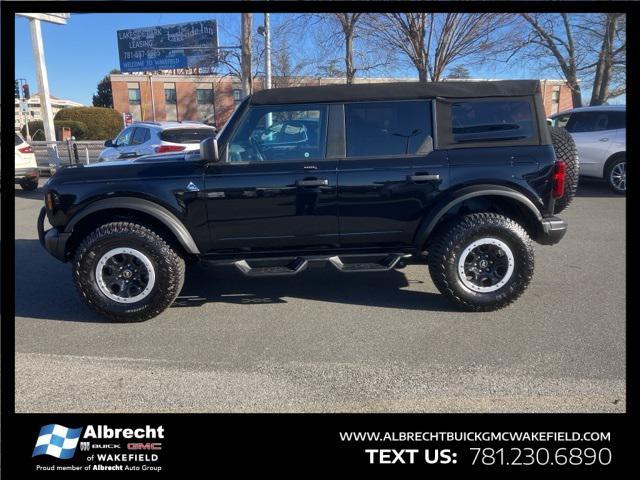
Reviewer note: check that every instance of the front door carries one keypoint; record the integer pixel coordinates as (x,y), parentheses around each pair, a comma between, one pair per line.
(274,188)
(390,174)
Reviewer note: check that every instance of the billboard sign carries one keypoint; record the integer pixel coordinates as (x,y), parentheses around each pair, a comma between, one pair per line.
(182,45)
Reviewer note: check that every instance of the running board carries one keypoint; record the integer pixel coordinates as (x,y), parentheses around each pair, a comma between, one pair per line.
(384,265)
(288,266)
(294,267)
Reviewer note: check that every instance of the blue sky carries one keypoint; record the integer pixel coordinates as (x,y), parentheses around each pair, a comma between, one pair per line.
(79,54)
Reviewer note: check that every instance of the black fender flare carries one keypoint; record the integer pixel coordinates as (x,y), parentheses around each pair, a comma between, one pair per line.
(141,205)
(437,211)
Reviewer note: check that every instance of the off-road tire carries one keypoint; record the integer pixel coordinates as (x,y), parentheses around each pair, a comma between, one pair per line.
(168,264)
(29,185)
(609,167)
(566,151)
(450,243)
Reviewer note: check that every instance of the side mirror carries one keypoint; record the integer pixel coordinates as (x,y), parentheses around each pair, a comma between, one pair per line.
(109,143)
(209,150)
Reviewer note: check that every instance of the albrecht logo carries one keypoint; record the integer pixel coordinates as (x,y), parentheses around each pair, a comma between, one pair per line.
(57,441)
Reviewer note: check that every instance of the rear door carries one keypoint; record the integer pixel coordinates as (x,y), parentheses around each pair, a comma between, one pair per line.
(390,173)
(275,189)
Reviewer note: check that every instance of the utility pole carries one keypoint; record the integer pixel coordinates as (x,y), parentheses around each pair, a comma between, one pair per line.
(265,31)
(245,58)
(43,88)
(267,52)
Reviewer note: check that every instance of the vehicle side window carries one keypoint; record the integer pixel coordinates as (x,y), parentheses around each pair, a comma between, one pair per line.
(124,138)
(140,135)
(19,140)
(387,128)
(595,121)
(280,134)
(478,121)
(617,120)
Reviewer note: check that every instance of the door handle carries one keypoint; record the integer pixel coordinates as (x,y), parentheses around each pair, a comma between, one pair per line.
(312,183)
(605,139)
(423,177)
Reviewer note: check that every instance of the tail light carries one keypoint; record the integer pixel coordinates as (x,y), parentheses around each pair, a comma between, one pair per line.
(169,148)
(26,149)
(559,174)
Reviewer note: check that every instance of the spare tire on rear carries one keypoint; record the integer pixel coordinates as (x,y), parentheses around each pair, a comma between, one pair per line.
(565,149)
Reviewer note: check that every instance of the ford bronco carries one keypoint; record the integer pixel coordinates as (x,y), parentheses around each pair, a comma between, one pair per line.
(459,176)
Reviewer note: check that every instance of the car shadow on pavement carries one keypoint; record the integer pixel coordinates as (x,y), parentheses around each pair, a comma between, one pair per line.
(594,187)
(382,289)
(30,194)
(43,287)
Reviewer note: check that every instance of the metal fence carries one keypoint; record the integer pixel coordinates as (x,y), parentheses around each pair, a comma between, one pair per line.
(66,152)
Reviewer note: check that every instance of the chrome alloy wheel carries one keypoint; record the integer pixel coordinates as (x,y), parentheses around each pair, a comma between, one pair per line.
(618,176)
(125,275)
(486,265)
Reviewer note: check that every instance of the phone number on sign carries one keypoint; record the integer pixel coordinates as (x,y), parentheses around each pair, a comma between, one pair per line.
(541,456)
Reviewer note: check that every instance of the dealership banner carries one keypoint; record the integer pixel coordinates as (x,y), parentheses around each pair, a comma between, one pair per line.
(182,45)
(169,445)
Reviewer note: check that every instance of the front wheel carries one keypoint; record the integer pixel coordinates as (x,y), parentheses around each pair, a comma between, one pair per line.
(127,273)
(617,175)
(482,261)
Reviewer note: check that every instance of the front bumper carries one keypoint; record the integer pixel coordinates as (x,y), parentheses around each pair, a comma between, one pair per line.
(30,173)
(553,229)
(53,240)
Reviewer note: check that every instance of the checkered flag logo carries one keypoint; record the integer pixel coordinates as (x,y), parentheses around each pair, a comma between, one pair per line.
(57,441)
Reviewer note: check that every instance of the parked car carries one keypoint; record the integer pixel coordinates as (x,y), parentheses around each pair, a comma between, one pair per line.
(26,167)
(147,138)
(600,136)
(461,177)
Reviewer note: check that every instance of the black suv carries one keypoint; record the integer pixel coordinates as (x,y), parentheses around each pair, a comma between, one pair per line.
(457,175)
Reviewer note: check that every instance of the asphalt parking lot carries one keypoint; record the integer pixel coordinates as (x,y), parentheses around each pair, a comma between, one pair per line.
(330,342)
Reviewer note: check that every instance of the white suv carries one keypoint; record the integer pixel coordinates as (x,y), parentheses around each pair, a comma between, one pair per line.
(26,167)
(600,135)
(149,138)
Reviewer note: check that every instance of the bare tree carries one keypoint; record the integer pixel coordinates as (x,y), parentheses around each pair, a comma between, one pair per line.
(587,49)
(348,23)
(406,32)
(609,35)
(345,32)
(459,71)
(557,38)
(433,41)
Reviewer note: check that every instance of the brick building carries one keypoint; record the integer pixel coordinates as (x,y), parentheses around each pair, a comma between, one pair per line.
(211,98)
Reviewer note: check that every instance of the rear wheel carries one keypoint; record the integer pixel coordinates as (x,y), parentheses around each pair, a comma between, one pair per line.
(566,151)
(482,261)
(127,273)
(29,184)
(616,175)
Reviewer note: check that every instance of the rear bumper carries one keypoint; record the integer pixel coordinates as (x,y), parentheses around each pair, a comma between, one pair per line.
(553,229)
(30,173)
(53,241)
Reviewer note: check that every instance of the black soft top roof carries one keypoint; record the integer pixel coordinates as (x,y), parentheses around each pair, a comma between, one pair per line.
(395,91)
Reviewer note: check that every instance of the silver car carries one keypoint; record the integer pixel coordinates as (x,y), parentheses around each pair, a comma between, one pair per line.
(600,134)
(149,138)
